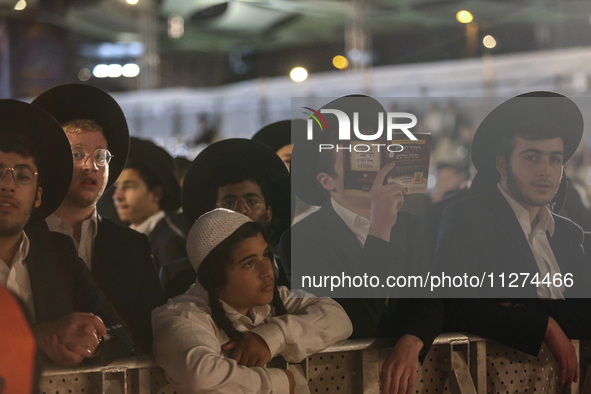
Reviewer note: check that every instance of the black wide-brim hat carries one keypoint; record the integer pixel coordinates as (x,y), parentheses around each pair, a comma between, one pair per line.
(275,135)
(161,165)
(51,150)
(233,161)
(77,101)
(534,111)
(279,134)
(305,154)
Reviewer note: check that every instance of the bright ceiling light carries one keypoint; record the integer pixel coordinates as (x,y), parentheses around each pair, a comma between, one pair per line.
(21,5)
(340,62)
(114,70)
(132,2)
(489,42)
(101,71)
(130,70)
(464,16)
(298,74)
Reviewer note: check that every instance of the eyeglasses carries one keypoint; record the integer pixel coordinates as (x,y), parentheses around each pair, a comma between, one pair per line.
(22,174)
(248,202)
(101,157)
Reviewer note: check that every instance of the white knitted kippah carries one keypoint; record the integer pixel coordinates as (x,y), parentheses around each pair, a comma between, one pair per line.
(210,230)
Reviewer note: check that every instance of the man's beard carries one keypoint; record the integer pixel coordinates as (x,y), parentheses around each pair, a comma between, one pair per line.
(80,201)
(11,230)
(263,219)
(516,188)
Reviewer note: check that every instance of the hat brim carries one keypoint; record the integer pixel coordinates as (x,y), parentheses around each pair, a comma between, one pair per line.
(229,160)
(77,101)
(542,107)
(52,150)
(160,163)
(275,135)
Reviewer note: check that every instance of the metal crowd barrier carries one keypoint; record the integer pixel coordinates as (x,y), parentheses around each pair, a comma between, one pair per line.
(456,364)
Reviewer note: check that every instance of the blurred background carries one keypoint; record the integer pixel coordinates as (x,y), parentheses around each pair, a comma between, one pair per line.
(190,72)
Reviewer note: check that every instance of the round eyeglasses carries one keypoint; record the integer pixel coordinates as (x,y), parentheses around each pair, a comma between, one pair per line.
(22,174)
(101,157)
(248,202)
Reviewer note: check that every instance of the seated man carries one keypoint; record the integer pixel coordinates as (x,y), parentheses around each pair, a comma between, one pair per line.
(509,231)
(42,268)
(356,234)
(237,174)
(118,257)
(146,194)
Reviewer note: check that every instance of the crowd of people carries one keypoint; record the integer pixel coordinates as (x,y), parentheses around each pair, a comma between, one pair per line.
(205,277)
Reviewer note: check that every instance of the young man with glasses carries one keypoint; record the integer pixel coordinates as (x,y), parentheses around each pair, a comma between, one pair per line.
(237,174)
(67,314)
(119,258)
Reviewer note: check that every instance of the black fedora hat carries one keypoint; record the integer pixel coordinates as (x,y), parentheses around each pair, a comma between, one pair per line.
(275,135)
(306,155)
(161,165)
(77,101)
(51,150)
(233,161)
(534,112)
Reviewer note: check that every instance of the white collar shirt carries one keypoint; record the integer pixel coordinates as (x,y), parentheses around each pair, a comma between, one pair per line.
(148,225)
(356,223)
(87,236)
(187,341)
(539,245)
(16,277)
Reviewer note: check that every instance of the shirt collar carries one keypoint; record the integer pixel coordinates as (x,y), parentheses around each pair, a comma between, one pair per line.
(54,223)
(24,248)
(348,216)
(546,221)
(148,225)
(22,253)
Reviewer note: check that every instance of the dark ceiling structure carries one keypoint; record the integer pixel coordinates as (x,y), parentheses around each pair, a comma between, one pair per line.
(211,42)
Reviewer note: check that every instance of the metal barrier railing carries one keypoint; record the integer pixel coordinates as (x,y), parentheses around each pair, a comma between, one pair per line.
(456,363)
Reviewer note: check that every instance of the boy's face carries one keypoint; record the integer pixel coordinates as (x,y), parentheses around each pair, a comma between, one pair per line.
(134,201)
(284,154)
(249,278)
(245,198)
(533,174)
(16,200)
(88,180)
(335,184)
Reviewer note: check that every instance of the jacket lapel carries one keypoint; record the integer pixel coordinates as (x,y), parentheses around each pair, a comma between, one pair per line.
(506,218)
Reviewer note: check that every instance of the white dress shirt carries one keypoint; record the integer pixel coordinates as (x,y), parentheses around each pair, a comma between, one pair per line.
(87,236)
(357,223)
(187,342)
(148,225)
(540,247)
(16,277)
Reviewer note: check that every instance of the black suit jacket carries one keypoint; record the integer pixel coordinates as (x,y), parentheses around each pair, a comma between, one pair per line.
(168,242)
(482,234)
(61,284)
(124,269)
(323,239)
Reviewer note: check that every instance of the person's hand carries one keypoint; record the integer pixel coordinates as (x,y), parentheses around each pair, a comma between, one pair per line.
(564,352)
(68,340)
(250,351)
(386,200)
(400,366)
